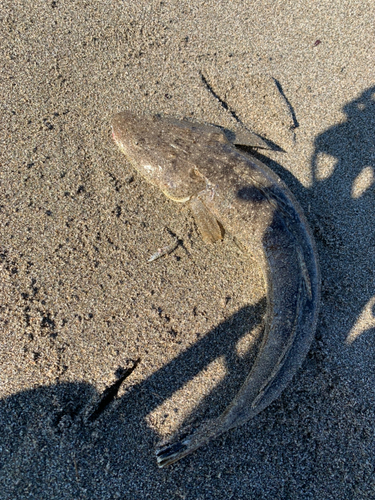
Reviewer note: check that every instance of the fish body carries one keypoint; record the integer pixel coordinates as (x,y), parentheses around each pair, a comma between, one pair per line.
(229,190)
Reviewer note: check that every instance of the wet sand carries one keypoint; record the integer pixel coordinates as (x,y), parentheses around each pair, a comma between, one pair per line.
(79,303)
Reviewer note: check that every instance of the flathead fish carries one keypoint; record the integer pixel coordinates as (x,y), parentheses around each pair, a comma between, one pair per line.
(229,190)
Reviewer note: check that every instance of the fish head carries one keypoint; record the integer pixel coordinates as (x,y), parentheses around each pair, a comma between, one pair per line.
(162,150)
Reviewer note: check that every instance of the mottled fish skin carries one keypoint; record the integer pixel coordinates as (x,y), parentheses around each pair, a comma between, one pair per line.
(196,163)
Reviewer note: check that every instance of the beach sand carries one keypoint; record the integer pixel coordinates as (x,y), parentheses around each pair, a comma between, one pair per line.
(80,304)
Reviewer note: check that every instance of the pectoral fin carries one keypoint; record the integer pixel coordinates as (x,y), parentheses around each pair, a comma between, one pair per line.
(208,225)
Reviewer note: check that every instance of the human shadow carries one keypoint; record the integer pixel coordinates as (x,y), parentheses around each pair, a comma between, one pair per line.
(340,207)
(50,448)
(344,204)
(64,429)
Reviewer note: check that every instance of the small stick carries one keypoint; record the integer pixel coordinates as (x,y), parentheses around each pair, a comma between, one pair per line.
(164,251)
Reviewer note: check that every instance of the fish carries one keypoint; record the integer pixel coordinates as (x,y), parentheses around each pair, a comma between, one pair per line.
(231,191)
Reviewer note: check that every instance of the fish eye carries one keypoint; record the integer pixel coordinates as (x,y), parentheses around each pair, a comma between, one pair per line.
(139,142)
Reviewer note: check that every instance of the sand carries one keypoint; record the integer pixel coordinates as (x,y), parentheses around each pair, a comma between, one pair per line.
(79,303)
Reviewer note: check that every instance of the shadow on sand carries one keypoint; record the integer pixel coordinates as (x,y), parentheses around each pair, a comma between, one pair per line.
(50,449)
